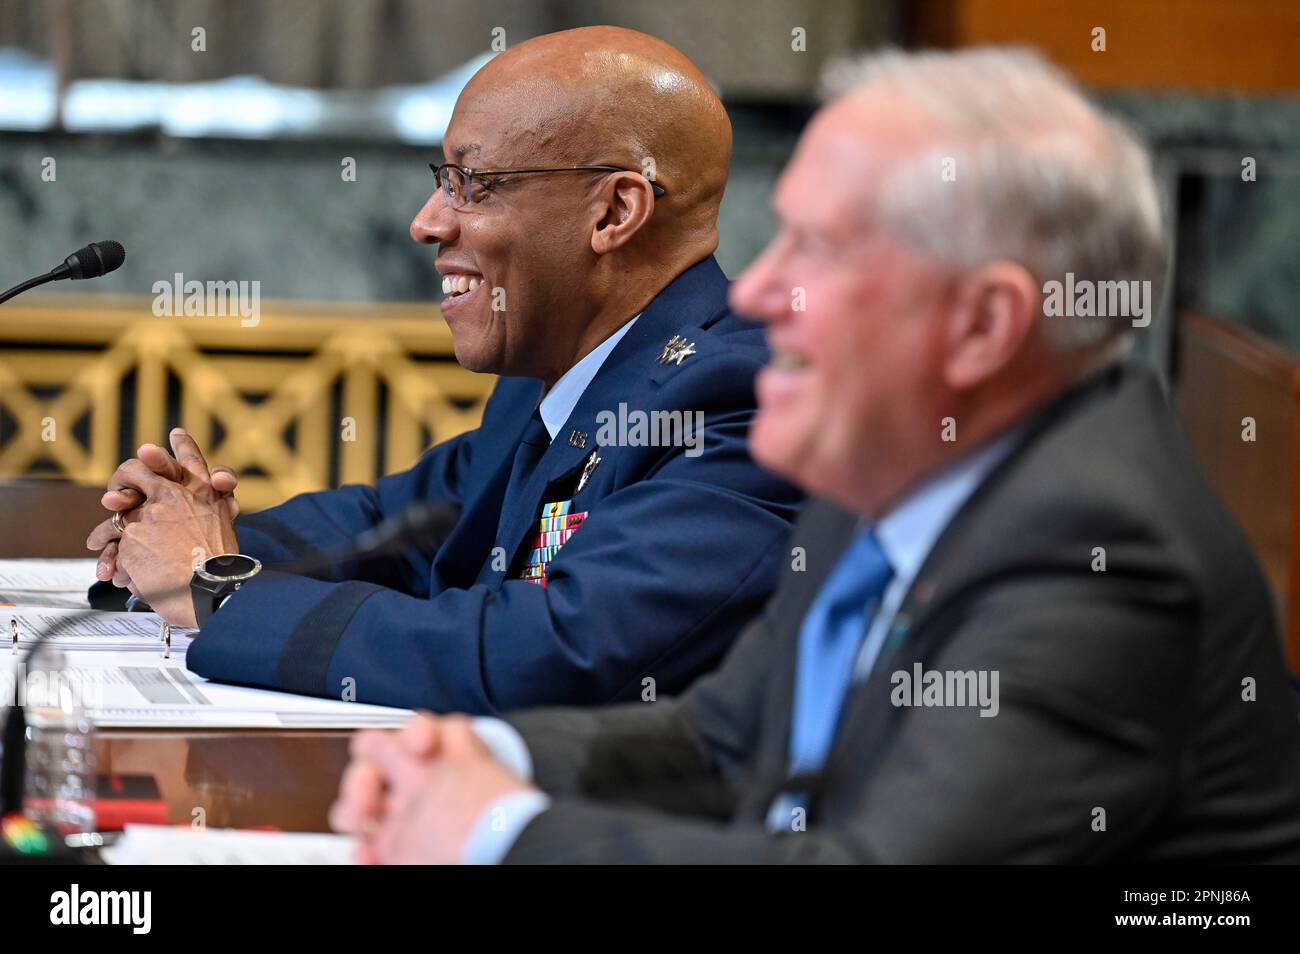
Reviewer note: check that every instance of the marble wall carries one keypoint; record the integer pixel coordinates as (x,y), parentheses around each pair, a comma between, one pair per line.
(281,212)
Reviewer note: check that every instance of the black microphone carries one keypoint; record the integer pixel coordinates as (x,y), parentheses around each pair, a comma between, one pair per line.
(420,522)
(423,523)
(97,258)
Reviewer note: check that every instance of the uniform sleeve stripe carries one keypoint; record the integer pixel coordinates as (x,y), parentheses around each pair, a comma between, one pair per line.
(310,648)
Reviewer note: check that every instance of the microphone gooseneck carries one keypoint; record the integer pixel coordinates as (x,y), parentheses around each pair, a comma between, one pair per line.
(91,261)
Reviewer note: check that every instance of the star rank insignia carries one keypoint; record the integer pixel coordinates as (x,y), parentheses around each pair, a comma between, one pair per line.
(587,470)
(676,350)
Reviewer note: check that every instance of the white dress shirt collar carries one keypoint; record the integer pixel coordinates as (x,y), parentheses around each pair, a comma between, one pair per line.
(563,397)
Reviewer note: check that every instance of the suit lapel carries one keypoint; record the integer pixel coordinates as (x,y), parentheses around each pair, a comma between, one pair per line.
(820,538)
(462,557)
(521,513)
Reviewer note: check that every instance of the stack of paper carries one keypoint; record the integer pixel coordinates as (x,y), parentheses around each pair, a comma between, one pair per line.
(124,674)
(46,582)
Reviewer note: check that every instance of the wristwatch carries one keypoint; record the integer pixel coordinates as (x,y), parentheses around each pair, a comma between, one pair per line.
(216,578)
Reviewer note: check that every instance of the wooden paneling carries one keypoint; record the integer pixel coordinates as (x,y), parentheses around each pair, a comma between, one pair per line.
(1150,44)
(48,518)
(1227,375)
(313,394)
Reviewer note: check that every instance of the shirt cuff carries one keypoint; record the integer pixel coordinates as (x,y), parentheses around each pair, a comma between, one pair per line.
(506,745)
(500,825)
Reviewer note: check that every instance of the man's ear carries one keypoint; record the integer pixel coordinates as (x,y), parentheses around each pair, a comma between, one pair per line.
(628,202)
(993,313)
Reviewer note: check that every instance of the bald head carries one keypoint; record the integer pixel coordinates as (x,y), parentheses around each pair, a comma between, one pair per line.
(611,96)
(543,264)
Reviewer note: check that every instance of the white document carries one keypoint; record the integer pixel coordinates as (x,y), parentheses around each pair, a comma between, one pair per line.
(47,575)
(165,845)
(145,690)
(120,669)
(47,582)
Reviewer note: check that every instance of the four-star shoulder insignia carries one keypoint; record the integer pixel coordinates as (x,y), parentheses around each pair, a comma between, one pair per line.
(677,349)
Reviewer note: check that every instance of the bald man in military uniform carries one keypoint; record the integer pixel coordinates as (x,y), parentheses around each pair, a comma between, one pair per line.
(575,219)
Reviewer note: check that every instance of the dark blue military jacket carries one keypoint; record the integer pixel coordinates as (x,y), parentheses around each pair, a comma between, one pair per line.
(651,565)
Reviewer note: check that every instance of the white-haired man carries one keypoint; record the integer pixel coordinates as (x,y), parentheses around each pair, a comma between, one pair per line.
(1017,626)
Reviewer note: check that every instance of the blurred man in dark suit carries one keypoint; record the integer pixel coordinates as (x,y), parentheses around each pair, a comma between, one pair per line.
(1025,629)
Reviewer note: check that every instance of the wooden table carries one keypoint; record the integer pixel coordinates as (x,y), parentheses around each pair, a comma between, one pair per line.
(258,778)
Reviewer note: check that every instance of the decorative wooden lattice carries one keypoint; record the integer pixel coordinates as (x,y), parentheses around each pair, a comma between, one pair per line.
(310,397)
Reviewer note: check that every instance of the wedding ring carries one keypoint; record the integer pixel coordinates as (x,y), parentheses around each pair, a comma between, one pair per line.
(118,523)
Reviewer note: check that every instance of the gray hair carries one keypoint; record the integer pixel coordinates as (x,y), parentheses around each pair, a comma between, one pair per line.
(1041,176)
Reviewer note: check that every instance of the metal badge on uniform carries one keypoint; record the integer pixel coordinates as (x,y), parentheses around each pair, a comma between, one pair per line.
(556,526)
(677,349)
(587,470)
(578,439)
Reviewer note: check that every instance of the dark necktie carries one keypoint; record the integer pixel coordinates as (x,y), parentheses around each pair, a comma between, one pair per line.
(532,447)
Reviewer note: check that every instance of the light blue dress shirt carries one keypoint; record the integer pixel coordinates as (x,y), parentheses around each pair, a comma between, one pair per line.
(563,397)
(907,534)
(506,817)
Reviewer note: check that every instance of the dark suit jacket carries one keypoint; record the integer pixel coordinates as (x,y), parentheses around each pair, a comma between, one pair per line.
(676,555)
(1121,691)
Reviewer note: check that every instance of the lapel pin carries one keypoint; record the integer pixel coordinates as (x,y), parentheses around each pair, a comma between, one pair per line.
(677,349)
(587,470)
(578,439)
(902,624)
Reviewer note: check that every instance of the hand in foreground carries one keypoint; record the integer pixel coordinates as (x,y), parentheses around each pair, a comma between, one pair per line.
(184,518)
(414,796)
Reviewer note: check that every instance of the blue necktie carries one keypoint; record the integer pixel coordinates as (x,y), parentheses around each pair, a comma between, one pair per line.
(829,642)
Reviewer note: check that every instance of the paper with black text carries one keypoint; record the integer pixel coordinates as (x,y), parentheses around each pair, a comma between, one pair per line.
(47,582)
(144,689)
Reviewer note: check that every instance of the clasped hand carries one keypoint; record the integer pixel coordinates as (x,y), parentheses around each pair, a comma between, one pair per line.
(414,796)
(176,512)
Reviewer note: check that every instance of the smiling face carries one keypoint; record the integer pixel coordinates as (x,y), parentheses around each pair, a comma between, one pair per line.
(850,405)
(519,259)
(542,268)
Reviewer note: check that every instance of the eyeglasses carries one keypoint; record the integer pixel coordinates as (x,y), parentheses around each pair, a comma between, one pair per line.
(464,186)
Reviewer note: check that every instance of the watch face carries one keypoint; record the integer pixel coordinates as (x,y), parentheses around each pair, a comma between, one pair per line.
(230,566)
